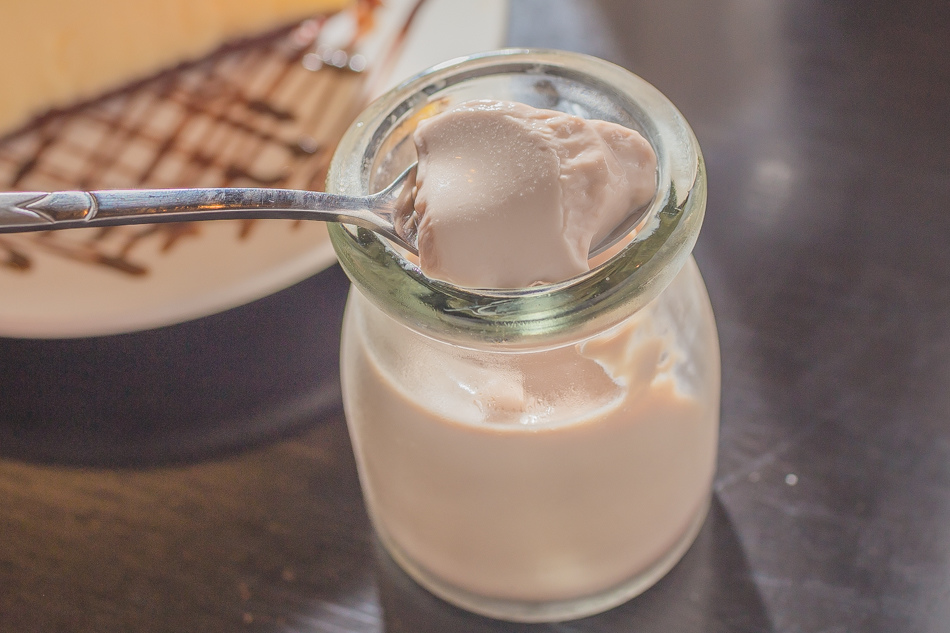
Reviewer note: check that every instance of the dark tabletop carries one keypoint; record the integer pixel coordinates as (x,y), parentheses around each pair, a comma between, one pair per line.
(826,249)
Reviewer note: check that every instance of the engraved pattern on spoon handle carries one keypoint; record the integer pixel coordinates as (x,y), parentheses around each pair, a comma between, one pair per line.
(32,210)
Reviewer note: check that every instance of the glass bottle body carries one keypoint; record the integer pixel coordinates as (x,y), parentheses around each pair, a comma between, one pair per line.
(537,485)
(544,453)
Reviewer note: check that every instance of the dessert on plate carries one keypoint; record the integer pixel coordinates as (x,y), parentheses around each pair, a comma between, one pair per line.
(61,51)
(250,104)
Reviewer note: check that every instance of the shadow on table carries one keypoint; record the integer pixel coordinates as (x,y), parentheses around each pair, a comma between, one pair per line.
(177,393)
(709,591)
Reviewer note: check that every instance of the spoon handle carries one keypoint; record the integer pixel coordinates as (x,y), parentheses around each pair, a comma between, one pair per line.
(22,211)
(40,211)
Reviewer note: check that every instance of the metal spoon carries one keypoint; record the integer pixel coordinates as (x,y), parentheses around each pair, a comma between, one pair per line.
(385,212)
(389,212)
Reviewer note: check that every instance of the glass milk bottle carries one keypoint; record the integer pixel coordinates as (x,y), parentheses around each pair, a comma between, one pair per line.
(544,453)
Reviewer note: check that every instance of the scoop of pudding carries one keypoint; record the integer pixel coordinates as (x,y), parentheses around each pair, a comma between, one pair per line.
(509,196)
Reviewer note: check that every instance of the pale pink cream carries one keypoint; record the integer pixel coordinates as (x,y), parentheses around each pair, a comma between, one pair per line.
(509,195)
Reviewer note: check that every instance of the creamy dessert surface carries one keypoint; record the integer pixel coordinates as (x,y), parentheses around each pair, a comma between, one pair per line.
(509,195)
(541,476)
(69,50)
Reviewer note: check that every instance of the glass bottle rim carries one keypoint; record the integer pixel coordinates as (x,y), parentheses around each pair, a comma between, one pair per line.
(539,316)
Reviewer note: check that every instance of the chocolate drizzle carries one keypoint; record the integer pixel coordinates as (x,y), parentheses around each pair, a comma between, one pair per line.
(25,168)
(257,105)
(13,258)
(250,114)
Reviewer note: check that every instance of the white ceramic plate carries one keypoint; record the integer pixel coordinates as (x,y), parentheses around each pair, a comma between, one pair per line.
(214,271)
